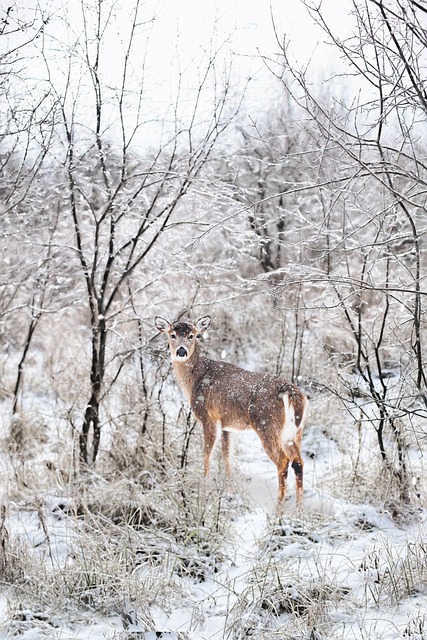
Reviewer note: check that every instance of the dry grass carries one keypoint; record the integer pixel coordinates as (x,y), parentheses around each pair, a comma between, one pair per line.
(110,547)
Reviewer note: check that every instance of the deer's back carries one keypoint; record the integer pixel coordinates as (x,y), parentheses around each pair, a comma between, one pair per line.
(241,399)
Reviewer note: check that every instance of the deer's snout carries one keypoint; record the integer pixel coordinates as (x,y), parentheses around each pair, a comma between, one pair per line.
(181,352)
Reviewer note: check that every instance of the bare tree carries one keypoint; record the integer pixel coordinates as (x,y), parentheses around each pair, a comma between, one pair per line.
(26,133)
(119,205)
(375,221)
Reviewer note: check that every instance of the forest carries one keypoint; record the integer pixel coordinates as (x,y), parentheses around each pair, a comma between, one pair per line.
(291,209)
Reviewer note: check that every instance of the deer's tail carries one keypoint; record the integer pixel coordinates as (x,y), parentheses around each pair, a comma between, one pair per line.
(295,404)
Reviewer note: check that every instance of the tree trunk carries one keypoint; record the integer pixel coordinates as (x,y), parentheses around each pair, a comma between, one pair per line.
(91,419)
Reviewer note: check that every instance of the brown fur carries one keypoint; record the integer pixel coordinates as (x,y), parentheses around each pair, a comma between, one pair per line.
(223,394)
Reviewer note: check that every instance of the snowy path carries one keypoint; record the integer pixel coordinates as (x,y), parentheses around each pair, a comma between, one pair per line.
(210,617)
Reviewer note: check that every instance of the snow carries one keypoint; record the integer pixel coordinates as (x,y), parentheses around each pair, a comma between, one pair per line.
(347,565)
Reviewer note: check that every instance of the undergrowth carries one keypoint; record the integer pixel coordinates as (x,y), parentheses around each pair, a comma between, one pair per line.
(112,547)
(315,580)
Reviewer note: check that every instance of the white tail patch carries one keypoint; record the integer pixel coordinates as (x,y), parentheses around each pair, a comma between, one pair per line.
(289,427)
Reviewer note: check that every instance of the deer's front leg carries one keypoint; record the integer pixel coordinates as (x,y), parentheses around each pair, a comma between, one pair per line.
(210,436)
(226,452)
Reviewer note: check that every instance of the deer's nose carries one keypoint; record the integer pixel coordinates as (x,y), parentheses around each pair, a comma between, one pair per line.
(181,352)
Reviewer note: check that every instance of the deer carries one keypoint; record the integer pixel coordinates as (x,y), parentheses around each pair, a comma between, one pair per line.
(226,398)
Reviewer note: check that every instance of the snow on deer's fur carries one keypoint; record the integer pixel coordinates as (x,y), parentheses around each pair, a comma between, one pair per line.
(227,398)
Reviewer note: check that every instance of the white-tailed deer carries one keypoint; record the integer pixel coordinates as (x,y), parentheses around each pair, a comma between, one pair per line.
(227,398)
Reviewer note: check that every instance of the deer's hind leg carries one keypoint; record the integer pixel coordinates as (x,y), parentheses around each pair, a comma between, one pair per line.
(293,455)
(298,467)
(277,453)
(282,465)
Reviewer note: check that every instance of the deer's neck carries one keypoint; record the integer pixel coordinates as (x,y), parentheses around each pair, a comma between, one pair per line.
(189,372)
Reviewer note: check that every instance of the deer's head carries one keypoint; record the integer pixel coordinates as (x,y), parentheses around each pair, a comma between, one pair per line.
(182,336)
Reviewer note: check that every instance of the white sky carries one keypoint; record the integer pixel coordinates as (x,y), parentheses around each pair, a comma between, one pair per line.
(182,37)
(185,29)
(249,22)
(252,19)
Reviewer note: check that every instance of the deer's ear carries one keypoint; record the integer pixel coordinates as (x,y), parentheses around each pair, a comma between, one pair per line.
(203,324)
(162,324)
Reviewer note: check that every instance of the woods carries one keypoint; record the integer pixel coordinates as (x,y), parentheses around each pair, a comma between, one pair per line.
(135,184)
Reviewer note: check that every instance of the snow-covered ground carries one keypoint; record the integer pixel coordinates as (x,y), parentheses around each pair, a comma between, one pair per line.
(342,569)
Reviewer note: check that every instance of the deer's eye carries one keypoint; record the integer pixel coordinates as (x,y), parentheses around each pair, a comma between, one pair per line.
(191,336)
(173,336)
